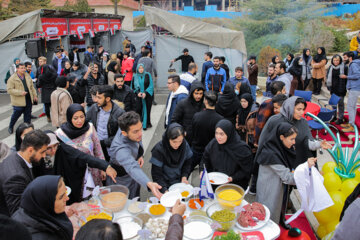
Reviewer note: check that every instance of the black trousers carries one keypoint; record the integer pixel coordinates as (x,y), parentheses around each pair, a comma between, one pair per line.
(317,85)
(47,109)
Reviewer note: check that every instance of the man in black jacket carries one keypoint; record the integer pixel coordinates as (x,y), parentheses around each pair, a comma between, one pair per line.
(92,77)
(186,108)
(16,170)
(104,116)
(203,127)
(186,59)
(124,94)
(74,55)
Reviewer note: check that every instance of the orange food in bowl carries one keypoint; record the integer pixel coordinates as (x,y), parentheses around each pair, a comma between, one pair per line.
(185,194)
(192,203)
(157,209)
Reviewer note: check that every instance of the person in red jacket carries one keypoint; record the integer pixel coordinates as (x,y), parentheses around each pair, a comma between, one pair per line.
(126,68)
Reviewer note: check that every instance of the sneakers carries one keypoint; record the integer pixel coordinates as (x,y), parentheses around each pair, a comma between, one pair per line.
(33,117)
(42,115)
(349,129)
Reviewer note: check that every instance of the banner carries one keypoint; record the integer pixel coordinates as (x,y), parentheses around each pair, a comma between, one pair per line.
(79,26)
(100,25)
(115,24)
(53,27)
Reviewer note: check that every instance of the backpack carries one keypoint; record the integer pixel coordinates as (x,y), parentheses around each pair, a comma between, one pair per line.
(8,75)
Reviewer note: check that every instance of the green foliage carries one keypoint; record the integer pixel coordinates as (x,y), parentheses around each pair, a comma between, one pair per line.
(140,22)
(231,235)
(78,6)
(24,6)
(315,35)
(341,43)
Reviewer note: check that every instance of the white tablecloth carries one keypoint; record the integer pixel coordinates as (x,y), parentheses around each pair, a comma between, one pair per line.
(270,231)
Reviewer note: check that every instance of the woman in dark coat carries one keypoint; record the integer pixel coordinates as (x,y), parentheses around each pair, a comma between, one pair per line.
(306,67)
(144,90)
(171,158)
(228,154)
(46,81)
(296,70)
(246,107)
(42,209)
(228,104)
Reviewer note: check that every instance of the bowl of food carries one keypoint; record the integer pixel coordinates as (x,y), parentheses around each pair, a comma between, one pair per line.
(130,225)
(193,224)
(157,210)
(224,217)
(114,197)
(229,195)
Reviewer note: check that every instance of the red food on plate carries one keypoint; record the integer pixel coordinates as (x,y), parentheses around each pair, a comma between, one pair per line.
(251,211)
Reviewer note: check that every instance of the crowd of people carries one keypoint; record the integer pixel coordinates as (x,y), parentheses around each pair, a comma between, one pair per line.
(100,108)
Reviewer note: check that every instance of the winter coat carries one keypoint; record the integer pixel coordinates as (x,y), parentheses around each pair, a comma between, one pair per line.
(72,56)
(88,58)
(60,101)
(318,71)
(46,76)
(112,125)
(354,44)
(15,88)
(89,82)
(253,74)
(55,63)
(353,77)
(127,65)
(180,94)
(186,109)
(176,228)
(126,96)
(338,85)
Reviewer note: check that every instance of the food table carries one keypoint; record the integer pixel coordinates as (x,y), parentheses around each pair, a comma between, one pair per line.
(311,108)
(270,230)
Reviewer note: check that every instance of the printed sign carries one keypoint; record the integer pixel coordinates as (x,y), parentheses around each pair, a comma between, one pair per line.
(79,26)
(100,25)
(53,27)
(115,24)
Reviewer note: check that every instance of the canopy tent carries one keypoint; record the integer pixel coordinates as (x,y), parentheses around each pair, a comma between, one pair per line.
(199,37)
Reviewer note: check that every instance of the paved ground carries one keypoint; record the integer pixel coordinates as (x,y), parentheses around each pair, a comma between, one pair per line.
(150,137)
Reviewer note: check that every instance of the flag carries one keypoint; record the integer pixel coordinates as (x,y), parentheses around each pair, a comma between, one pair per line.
(80,35)
(112,31)
(206,190)
(91,33)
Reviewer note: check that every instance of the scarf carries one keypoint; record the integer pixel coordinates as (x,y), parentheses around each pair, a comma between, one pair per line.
(68,128)
(227,102)
(274,152)
(165,153)
(295,69)
(111,67)
(38,201)
(332,67)
(244,112)
(306,58)
(319,57)
(306,65)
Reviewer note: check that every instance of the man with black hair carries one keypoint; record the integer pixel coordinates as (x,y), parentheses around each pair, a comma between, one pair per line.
(126,154)
(186,59)
(203,127)
(138,56)
(239,77)
(177,93)
(74,55)
(124,94)
(225,67)
(16,170)
(92,77)
(215,78)
(278,101)
(283,76)
(206,65)
(132,48)
(253,71)
(186,79)
(88,55)
(22,95)
(186,108)
(60,101)
(272,77)
(148,62)
(104,116)
(58,62)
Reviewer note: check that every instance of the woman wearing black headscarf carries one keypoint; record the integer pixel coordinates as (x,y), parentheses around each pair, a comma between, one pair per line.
(171,158)
(306,67)
(21,130)
(228,104)
(246,107)
(228,154)
(42,209)
(112,70)
(318,73)
(275,158)
(80,134)
(275,59)
(288,61)
(296,70)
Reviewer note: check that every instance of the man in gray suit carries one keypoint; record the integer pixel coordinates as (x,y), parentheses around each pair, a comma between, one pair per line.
(16,170)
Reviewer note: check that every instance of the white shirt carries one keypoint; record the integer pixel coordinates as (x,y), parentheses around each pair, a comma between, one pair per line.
(27,163)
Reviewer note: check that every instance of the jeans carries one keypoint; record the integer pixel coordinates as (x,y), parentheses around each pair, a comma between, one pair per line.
(21,110)
(352,100)
(253,92)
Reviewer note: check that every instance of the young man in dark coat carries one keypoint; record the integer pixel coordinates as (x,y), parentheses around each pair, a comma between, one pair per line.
(46,76)
(59,60)
(92,77)
(124,94)
(203,127)
(104,116)
(186,108)
(16,170)
(186,59)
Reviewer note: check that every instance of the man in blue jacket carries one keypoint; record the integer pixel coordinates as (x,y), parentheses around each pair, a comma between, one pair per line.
(353,86)
(206,65)
(178,92)
(215,78)
(239,77)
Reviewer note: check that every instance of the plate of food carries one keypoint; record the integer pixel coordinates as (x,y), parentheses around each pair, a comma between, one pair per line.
(169,199)
(218,178)
(253,216)
(186,190)
(68,190)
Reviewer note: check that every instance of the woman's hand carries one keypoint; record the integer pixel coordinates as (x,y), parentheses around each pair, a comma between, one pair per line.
(139,94)
(311,162)
(325,145)
(230,179)
(143,95)
(184,180)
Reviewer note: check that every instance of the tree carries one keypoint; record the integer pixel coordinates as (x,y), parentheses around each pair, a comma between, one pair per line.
(24,6)
(77,6)
(265,56)
(317,35)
